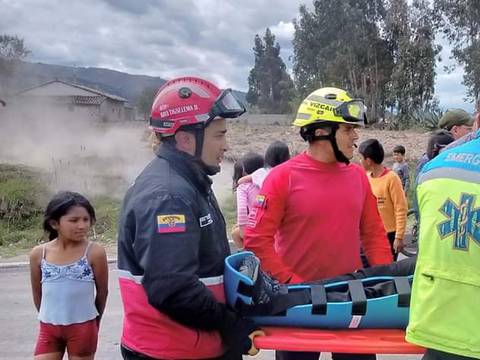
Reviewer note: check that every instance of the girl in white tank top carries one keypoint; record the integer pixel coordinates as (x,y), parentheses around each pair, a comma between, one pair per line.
(69,276)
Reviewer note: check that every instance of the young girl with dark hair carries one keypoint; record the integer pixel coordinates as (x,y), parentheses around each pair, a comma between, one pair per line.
(246,194)
(69,277)
(277,153)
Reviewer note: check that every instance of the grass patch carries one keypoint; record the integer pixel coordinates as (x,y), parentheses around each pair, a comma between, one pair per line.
(24,194)
(229,210)
(107,212)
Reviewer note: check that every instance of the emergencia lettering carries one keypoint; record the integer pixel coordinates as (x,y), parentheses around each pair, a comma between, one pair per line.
(466,158)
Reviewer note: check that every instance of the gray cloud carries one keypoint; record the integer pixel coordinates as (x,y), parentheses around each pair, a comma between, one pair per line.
(448,86)
(209,38)
(137,7)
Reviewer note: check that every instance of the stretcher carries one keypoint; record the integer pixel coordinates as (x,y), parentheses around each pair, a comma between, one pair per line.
(356,341)
(318,325)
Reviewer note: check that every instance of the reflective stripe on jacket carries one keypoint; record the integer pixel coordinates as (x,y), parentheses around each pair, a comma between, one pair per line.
(171,249)
(444,311)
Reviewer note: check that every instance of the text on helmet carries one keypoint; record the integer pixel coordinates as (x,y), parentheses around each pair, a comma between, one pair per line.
(179,110)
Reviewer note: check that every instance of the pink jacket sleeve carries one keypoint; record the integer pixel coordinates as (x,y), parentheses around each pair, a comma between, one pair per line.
(264,222)
(242,204)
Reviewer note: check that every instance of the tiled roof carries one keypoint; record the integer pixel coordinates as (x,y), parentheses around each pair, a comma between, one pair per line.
(95,91)
(88,100)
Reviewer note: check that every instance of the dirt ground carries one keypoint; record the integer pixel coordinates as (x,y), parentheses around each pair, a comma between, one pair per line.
(243,138)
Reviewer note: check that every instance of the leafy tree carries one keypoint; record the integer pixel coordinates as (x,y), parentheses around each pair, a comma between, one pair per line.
(410,31)
(340,44)
(459,23)
(145,100)
(270,88)
(12,50)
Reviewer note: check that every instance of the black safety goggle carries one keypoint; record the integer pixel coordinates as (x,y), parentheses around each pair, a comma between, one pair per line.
(353,110)
(227,106)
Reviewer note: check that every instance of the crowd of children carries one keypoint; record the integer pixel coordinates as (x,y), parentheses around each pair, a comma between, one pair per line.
(249,173)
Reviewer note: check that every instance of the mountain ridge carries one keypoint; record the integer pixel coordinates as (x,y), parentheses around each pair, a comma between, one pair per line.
(27,75)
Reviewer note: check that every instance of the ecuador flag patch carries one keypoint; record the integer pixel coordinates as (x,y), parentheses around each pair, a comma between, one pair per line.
(174,223)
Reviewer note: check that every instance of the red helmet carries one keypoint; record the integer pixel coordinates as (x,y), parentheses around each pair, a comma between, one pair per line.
(189,101)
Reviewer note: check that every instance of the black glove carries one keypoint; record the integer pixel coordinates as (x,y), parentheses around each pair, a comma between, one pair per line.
(235,334)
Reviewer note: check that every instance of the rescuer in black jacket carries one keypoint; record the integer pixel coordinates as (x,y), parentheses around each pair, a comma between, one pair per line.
(172,239)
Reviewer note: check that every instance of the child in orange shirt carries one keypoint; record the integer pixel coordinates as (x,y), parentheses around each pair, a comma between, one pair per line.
(387,188)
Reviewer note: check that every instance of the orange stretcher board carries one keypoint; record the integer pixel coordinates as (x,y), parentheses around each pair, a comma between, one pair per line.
(357,341)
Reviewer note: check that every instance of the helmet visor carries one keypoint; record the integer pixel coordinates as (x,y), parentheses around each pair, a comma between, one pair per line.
(227,106)
(352,111)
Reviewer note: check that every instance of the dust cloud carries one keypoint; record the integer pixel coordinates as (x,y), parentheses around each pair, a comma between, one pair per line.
(80,155)
(222,182)
(75,154)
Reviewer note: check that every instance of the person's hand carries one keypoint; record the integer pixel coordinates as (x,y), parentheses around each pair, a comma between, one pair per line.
(245,180)
(253,350)
(237,335)
(398,245)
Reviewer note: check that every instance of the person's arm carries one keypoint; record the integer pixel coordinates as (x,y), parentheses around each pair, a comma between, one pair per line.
(242,205)
(263,223)
(406,173)
(372,231)
(399,201)
(170,259)
(245,180)
(36,275)
(100,272)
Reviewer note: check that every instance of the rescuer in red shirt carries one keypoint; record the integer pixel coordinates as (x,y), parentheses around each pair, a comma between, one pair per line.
(316,210)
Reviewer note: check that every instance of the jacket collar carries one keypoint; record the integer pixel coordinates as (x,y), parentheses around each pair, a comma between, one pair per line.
(187,166)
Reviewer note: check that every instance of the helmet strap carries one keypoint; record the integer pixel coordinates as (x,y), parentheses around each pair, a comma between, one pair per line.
(199,142)
(308,134)
(199,136)
(340,156)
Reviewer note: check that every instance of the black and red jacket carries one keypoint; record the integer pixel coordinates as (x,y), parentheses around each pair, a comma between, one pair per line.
(171,248)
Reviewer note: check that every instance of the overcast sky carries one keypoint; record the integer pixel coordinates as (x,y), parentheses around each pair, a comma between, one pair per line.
(209,38)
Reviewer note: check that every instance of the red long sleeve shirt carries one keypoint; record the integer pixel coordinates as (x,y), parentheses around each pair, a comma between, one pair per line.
(310,219)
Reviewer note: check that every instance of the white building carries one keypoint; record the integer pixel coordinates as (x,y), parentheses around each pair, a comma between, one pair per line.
(74,101)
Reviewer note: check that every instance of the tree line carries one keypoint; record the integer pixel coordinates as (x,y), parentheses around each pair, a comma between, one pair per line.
(383,51)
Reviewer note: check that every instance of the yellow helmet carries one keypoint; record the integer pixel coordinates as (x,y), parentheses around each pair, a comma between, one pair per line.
(332,105)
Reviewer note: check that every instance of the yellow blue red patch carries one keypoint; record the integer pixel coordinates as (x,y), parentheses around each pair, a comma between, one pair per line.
(261,201)
(174,223)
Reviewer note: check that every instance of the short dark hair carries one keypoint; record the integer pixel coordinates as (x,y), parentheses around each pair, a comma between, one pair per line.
(59,205)
(252,161)
(437,141)
(307,132)
(246,165)
(372,149)
(400,149)
(277,153)
(237,173)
